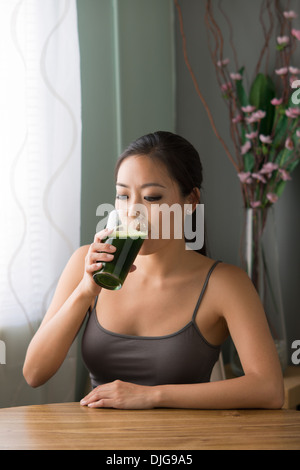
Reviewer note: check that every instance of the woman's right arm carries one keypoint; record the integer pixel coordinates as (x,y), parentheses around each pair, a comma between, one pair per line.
(75,293)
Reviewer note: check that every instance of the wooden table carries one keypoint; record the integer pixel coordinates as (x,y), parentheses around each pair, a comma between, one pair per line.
(71,426)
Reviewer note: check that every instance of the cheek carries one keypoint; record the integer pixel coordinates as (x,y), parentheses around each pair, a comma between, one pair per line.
(166,224)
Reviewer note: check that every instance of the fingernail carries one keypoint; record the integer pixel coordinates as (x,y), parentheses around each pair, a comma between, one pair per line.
(83,402)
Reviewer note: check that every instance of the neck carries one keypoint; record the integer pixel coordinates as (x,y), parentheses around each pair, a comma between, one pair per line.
(171,258)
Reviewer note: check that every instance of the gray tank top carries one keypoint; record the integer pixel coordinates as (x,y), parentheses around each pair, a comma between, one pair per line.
(182,357)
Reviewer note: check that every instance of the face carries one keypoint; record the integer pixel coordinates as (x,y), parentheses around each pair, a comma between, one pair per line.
(142,180)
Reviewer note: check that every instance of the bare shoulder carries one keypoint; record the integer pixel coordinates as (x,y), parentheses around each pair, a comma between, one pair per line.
(229,274)
(68,281)
(224,274)
(73,272)
(80,254)
(229,279)
(235,292)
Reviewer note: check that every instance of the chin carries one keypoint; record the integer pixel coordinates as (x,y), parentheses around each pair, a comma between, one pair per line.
(153,246)
(147,248)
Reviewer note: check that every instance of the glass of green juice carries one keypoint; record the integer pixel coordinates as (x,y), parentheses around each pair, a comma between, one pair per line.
(128,239)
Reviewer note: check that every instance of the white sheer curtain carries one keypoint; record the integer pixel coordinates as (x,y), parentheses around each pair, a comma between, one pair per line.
(40,163)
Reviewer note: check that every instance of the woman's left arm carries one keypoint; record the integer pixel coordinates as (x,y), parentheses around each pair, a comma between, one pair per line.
(261,386)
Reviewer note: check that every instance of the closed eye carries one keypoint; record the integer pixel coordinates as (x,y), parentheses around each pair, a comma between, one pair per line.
(152,198)
(147,198)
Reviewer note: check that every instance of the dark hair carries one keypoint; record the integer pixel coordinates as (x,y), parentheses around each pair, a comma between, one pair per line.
(177,154)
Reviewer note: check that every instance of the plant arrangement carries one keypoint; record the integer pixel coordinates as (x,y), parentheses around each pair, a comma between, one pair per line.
(264,124)
(264,120)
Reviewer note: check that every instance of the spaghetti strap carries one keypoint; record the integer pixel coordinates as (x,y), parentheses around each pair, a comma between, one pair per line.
(204,288)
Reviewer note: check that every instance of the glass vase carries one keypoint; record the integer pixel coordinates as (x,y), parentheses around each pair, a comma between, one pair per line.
(259,258)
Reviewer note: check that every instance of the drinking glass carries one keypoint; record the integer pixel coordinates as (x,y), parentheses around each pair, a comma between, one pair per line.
(128,237)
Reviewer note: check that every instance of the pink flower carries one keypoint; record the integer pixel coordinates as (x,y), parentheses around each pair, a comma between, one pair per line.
(272,197)
(255,204)
(222,63)
(259,177)
(283,40)
(248,109)
(292,112)
(226,86)
(298,133)
(296,33)
(245,147)
(252,135)
(294,70)
(245,177)
(257,116)
(290,14)
(265,139)
(236,76)
(284,175)
(289,144)
(268,168)
(282,71)
(237,119)
(276,101)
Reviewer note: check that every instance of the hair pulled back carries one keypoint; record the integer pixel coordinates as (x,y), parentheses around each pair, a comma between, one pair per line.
(178,155)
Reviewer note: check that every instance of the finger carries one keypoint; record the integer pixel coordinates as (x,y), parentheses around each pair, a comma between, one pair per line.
(93,267)
(95,260)
(98,257)
(98,247)
(103,403)
(102,234)
(132,268)
(98,393)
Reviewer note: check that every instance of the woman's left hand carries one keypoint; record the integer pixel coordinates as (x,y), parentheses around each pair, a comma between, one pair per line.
(119,394)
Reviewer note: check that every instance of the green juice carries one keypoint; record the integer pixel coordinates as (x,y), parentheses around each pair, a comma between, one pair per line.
(113,273)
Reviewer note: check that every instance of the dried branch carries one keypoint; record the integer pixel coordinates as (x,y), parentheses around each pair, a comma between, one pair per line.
(210,117)
(230,35)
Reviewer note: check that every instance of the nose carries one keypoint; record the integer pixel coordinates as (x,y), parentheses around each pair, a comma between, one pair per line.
(132,212)
(137,211)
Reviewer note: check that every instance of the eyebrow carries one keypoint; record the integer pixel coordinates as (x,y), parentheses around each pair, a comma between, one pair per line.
(146,185)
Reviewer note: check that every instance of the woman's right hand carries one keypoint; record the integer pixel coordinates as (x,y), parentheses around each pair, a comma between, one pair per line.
(98,252)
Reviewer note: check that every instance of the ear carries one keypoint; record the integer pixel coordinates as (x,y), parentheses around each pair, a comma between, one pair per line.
(194,198)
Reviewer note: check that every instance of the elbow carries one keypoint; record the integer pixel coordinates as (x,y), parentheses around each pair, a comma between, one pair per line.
(31,377)
(277,400)
(274,395)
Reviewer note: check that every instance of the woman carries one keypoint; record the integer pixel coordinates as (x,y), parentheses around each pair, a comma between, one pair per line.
(154,342)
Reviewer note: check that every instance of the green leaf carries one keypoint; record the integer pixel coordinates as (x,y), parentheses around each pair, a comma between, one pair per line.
(249,161)
(280,187)
(281,130)
(240,91)
(284,156)
(293,165)
(261,93)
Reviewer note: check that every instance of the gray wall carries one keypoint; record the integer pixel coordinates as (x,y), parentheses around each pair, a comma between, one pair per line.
(222,196)
(128,88)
